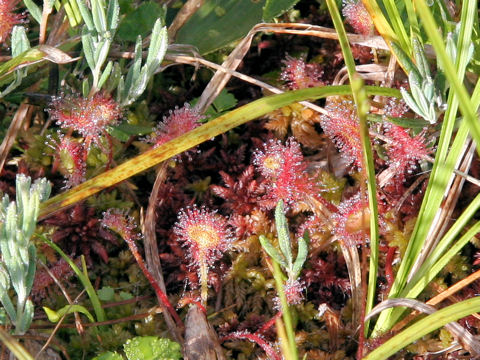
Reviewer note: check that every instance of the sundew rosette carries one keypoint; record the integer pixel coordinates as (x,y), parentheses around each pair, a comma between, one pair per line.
(207,236)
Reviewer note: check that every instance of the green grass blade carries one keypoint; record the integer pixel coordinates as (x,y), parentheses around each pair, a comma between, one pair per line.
(201,134)
(451,73)
(397,24)
(361,102)
(92,294)
(445,159)
(14,346)
(424,327)
(431,271)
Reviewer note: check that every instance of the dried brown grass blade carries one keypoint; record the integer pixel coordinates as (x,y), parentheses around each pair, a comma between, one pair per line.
(13,129)
(151,249)
(441,222)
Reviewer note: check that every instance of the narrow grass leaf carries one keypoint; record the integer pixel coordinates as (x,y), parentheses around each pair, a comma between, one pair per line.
(191,139)
(424,327)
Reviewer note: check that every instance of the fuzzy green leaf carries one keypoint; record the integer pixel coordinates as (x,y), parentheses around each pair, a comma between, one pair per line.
(158,46)
(88,47)
(420,58)
(105,74)
(26,318)
(271,251)
(98,15)
(113,13)
(20,41)
(87,17)
(4,298)
(34,10)
(283,233)
(301,255)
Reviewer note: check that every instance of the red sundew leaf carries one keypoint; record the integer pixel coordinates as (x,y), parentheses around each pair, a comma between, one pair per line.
(357,16)
(8,18)
(179,122)
(88,116)
(403,150)
(343,127)
(299,75)
(205,233)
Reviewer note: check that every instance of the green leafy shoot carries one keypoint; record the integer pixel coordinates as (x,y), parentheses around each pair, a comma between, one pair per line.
(17,268)
(284,257)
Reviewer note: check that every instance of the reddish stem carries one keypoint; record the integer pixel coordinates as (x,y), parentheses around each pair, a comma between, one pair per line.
(160,294)
(190,300)
(269,323)
(272,354)
(110,151)
(389,267)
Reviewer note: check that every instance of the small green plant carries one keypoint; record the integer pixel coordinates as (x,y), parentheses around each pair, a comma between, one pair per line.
(426,97)
(284,257)
(289,292)
(18,220)
(146,348)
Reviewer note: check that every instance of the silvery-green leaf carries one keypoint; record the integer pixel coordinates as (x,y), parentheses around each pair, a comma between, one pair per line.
(432,114)
(121,95)
(101,53)
(113,12)
(22,183)
(134,70)
(410,67)
(139,86)
(410,101)
(98,14)
(88,47)
(43,187)
(451,47)
(32,255)
(87,17)
(113,81)
(283,233)
(158,45)
(105,74)
(301,255)
(26,318)
(20,41)
(419,99)
(271,251)
(34,10)
(4,278)
(4,298)
(420,58)
(428,89)
(8,306)
(85,87)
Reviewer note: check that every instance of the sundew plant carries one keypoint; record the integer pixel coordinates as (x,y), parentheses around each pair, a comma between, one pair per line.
(272,179)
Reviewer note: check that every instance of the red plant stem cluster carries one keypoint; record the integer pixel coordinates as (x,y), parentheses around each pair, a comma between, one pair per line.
(124,226)
(160,294)
(256,338)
